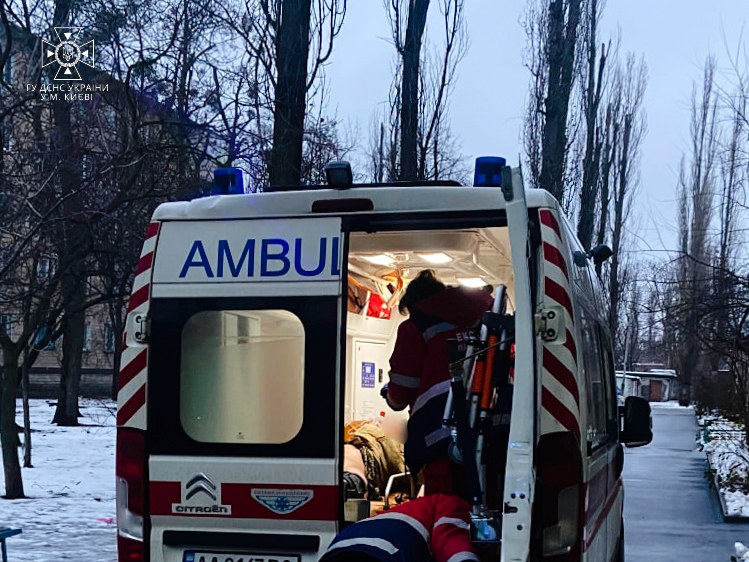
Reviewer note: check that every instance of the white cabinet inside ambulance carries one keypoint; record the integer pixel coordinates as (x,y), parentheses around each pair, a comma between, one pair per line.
(260,324)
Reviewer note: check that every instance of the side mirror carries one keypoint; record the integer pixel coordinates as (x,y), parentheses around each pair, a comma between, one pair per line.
(636,425)
(601,253)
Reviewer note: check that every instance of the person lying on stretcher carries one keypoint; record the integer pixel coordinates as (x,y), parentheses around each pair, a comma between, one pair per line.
(371,456)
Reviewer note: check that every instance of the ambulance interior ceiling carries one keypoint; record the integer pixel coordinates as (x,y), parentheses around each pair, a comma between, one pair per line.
(471,257)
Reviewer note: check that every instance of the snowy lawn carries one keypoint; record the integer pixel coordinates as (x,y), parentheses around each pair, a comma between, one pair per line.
(723,442)
(742,553)
(70,510)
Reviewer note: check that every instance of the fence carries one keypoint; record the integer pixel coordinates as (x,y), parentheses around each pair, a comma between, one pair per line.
(713,430)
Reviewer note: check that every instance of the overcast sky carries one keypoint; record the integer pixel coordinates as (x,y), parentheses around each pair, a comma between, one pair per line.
(674,36)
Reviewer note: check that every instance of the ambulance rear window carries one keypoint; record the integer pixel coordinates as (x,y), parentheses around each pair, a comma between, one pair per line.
(242,376)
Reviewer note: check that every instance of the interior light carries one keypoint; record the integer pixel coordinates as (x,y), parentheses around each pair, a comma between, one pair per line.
(473,282)
(436,258)
(380,259)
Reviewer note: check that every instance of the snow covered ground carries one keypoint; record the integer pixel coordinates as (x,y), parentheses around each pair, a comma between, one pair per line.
(70,510)
(729,458)
(742,553)
(669,404)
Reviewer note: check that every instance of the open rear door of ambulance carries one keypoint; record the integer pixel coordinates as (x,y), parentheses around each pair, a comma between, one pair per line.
(243,390)
(519,474)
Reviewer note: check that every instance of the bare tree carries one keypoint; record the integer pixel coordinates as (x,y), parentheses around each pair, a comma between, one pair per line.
(596,129)
(554,35)
(621,128)
(420,144)
(408,45)
(291,63)
(696,185)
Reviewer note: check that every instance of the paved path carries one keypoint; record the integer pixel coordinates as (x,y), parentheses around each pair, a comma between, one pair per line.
(670,514)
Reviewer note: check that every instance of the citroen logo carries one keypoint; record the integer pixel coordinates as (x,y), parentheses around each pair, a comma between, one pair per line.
(200,483)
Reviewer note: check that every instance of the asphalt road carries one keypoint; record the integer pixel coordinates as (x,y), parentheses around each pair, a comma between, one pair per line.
(670,514)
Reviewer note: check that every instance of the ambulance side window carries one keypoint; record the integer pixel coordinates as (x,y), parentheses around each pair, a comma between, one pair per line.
(610,381)
(242,376)
(595,387)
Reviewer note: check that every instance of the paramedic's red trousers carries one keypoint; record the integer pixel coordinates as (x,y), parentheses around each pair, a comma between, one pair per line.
(444,477)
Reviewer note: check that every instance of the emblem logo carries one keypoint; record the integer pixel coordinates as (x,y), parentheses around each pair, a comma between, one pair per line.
(281,501)
(200,496)
(200,484)
(67,53)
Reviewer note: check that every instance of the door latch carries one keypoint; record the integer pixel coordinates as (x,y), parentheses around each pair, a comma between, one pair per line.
(548,324)
(141,328)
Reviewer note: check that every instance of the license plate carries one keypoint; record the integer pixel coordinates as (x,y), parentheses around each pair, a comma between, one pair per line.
(238,557)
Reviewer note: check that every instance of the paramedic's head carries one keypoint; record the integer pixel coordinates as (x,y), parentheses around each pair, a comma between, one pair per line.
(424,285)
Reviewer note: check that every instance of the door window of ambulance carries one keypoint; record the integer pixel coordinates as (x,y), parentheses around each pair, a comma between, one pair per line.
(239,369)
(249,376)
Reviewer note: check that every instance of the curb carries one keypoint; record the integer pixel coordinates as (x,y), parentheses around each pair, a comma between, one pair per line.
(723,508)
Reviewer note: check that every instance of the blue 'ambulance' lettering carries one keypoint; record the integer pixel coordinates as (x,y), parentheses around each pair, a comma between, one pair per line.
(298,259)
(197,247)
(224,255)
(266,257)
(274,257)
(335,267)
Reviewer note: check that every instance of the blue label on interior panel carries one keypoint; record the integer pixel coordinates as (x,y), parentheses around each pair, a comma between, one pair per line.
(367,375)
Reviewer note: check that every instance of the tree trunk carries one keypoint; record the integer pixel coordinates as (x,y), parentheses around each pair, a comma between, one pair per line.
(593,141)
(292,52)
(616,238)
(562,38)
(409,114)
(8,430)
(26,417)
(72,248)
(117,318)
(66,413)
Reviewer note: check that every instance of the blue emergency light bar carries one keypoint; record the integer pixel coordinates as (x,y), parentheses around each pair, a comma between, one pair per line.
(488,171)
(227,181)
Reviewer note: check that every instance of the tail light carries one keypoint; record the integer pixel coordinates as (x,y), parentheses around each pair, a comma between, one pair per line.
(131,493)
(561,494)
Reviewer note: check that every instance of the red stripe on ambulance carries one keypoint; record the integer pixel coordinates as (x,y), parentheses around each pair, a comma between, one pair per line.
(152,230)
(139,297)
(131,407)
(553,255)
(569,343)
(555,291)
(144,263)
(133,368)
(561,373)
(548,219)
(601,519)
(131,396)
(322,506)
(559,411)
(560,391)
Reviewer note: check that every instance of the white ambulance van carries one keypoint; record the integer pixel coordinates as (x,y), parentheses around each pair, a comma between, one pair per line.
(244,360)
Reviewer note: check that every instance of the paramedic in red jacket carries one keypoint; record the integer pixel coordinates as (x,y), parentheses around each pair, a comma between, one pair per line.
(429,529)
(419,372)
